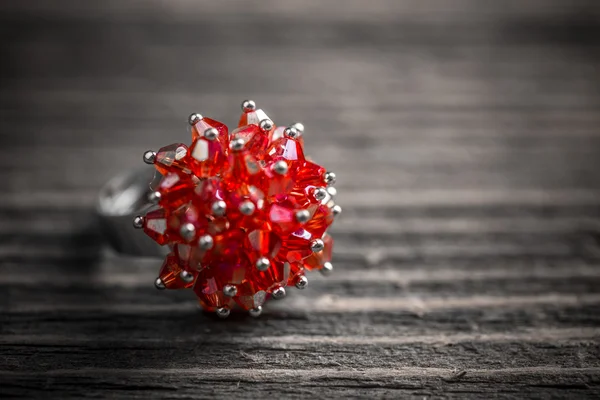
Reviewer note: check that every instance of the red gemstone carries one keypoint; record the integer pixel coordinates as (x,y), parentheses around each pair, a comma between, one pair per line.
(175,190)
(316,260)
(207,157)
(170,274)
(256,141)
(202,125)
(253,118)
(172,158)
(155,226)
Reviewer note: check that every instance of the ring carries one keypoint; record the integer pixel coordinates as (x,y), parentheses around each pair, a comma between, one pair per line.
(238,216)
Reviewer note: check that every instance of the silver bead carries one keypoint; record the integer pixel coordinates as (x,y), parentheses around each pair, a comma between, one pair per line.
(317,245)
(329,178)
(149,157)
(290,132)
(302,216)
(255,312)
(247,207)
(223,312)
(280,167)
(211,134)
(229,290)
(159,284)
(302,282)
(237,144)
(327,268)
(337,210)
(299,127)
(263,264)
(205,242)
(248,105)
(266,125)
(320,193)
(278,293)
(138,222)
(194,118)
(187,231)
(186,276)
(218,208)
(154,197)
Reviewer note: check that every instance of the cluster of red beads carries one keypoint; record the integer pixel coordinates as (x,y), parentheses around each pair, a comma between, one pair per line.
(244,213)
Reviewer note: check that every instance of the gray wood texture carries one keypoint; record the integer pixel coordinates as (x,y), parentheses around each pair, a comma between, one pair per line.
(466,138)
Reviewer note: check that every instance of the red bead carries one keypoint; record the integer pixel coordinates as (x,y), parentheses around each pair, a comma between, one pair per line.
(170,274)
(316,260)
(202,125)
(207,157)
(172,158)
(256,141)
(175,190)
(155,226)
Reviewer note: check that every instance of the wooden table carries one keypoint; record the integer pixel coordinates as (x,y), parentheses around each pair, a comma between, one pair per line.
(465,135)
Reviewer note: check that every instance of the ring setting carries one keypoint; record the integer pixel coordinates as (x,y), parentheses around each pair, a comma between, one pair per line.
(244,214)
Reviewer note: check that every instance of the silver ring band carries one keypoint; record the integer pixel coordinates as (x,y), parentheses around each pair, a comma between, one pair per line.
(119,202)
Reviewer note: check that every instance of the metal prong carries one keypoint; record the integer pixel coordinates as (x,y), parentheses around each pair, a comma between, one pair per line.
(247,207)
(218,208)
(187,231)
(211,134)
(337,210)
(302,216)
(229,290)
(223,312)
(205,242)
(290,132)
(302,282)
(154,197)
(194,118)
(299,127)
(266,125)
(280,167)
(329,178)
(248,105)
(149,157)
(263,264)
(317,245)
(138,222)
(159,284)
(327,268)
(255,312)
(186,276)
(237,144)
(319,193)
(278,293)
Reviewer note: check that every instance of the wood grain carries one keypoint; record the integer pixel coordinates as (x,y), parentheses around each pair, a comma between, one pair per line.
(465,135)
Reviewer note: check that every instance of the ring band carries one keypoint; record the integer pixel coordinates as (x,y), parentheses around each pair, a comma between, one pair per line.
(119,201)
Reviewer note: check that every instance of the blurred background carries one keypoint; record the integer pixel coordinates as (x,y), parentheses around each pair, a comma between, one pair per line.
(465,135)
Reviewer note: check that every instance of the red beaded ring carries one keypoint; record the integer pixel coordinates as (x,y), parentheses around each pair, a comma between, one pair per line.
(244,213)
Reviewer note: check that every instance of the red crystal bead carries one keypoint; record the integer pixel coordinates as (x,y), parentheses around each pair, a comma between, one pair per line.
(316,260)
(172,158)
(203,124)
(242,222)
(155,226)
(170,274)
(256,141)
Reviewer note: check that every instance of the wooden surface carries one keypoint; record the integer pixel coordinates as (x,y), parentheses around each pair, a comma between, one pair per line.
(465,135)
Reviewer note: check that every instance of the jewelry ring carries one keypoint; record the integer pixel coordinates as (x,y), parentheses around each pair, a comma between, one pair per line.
(238,216)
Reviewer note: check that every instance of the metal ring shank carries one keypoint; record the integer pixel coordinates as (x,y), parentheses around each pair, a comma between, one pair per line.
(119,201)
